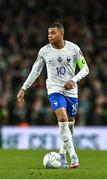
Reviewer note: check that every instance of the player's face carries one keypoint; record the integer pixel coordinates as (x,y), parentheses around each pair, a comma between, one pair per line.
(54,35)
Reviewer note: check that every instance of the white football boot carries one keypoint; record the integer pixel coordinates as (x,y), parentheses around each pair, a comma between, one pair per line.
(74,161)
(64,161)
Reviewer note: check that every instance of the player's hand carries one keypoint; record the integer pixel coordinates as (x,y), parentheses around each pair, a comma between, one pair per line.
(69,85)
(20,96)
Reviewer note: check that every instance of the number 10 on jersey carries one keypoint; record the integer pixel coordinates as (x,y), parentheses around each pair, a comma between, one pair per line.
(61,70)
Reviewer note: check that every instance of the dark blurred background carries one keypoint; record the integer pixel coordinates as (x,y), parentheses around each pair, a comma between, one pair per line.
(23,31)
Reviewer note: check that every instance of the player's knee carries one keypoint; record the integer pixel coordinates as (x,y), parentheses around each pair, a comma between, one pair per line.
(71,119)
(62,118)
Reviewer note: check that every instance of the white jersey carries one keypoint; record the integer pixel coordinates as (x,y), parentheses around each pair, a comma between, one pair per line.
(60,64)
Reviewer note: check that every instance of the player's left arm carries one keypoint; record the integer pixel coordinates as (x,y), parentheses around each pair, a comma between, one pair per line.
(82,64)
(84,70)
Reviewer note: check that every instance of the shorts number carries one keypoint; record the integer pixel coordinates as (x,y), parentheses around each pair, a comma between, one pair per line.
(75,107)
(61,70)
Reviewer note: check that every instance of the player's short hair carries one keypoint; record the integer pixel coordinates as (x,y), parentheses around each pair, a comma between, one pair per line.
(58,25)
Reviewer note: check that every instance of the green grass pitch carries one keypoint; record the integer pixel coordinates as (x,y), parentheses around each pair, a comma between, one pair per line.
(27,164)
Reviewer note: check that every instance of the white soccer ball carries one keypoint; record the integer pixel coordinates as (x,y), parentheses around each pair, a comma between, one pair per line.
(52,160)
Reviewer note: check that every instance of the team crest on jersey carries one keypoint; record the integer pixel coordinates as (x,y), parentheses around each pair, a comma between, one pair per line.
(60,59)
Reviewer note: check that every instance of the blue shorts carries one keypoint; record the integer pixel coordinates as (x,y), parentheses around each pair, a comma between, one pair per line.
(58,100)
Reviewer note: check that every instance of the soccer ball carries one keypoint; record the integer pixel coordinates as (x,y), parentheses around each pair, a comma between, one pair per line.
(52,160)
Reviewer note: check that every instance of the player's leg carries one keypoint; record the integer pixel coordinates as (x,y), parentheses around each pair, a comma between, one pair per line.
(65,134)
(74,157)
(58,104)
(72,106)
(71,123)
(63,128)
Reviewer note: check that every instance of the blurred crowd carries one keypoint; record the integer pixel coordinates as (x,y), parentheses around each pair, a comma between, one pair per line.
(23,31)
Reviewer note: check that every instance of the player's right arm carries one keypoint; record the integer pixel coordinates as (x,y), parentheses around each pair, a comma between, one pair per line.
(35,72)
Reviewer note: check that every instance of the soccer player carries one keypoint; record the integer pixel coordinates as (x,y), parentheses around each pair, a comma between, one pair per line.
(61,58)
